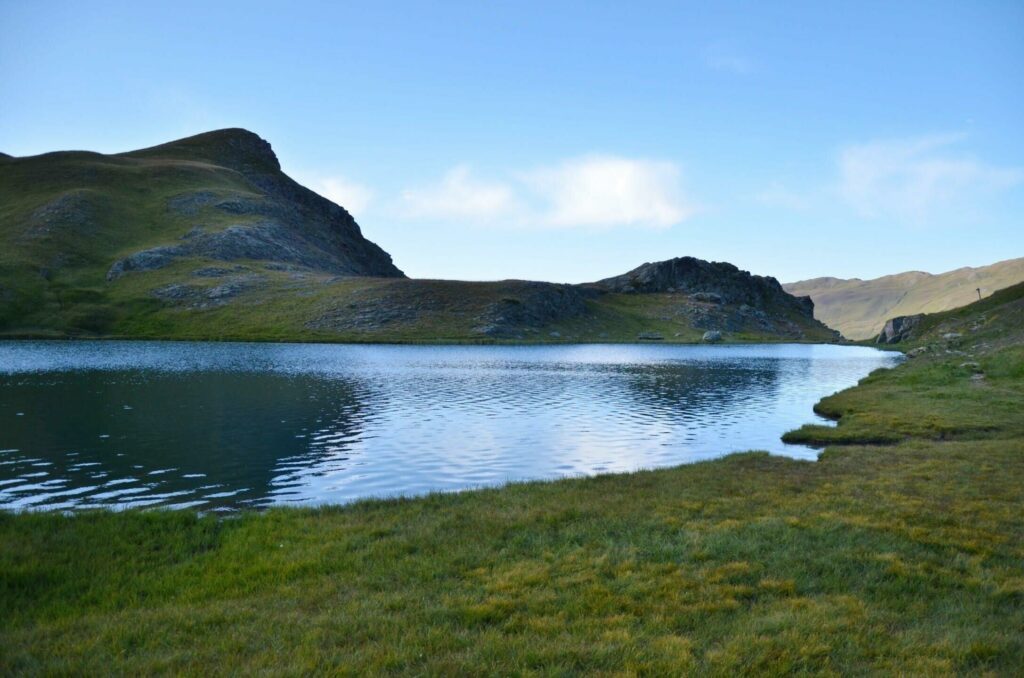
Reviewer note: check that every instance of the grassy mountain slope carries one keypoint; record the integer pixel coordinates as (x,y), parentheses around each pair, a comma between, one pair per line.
(859,308)
(73,225)
(899,559)
(206,238)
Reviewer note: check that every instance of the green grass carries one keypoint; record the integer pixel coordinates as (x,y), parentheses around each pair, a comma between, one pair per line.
(53,270)
(906,558)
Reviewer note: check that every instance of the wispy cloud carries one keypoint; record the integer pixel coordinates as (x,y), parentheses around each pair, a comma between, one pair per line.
(353,196)
(915,179)
(606,191)
(597,191)
(459,196)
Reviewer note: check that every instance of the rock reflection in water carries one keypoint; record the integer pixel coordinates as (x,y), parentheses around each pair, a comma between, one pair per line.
(221,426)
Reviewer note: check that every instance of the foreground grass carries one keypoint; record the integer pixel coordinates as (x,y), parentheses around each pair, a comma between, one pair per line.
(906,558)
(873,560)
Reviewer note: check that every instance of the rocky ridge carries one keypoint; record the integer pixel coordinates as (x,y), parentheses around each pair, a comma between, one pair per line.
(281,221)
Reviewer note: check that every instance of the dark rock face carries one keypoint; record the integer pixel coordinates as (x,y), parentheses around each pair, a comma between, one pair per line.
(534,305)
(281,221)
(198,297)
(505,309)
(707,297)
(712,282)
(899,329)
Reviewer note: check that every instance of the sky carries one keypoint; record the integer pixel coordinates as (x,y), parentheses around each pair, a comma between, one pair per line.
(572,141)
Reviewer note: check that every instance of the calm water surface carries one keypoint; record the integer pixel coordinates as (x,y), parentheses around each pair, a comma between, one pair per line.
(224,426)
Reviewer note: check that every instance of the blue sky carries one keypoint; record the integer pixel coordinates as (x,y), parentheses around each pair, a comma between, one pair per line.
(572,141)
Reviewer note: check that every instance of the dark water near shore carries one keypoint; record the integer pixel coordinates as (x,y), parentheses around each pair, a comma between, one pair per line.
(224,426)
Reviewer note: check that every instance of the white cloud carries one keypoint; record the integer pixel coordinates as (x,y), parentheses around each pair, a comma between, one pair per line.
(916,179)
(353,196)
(608,191)
(587,192)
(459,196)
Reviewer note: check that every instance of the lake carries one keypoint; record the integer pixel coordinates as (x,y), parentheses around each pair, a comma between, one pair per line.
(222,426)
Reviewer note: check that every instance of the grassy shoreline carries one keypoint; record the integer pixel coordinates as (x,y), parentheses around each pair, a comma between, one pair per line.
(674,341)
(906,557)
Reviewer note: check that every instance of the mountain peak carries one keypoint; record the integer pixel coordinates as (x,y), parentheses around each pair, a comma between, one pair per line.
(233,147)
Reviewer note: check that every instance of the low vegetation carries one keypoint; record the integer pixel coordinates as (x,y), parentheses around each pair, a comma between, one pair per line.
(206,238)
(859,308)
(900,558)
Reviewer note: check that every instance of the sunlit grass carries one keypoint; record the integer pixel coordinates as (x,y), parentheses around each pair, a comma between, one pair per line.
(906,558)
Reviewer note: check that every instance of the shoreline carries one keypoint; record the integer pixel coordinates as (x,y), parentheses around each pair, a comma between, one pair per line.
(904,558)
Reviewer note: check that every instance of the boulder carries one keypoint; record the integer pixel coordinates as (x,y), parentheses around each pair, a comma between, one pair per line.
(708,297)
(899,329)
(712,337)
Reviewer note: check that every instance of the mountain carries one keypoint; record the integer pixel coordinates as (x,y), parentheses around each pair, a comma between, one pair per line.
(860,308)
(206,238)
(73,222)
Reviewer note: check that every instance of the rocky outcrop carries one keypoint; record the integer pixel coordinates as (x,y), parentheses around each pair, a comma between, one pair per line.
(268,240)
(712,282)
(279,220)
(532,305)
(72,213)
(899,329)
(506,309)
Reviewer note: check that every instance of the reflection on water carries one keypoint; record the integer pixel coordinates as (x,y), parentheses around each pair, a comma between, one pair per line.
(221,426)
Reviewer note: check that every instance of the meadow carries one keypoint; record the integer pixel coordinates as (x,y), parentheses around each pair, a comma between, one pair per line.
(900,551)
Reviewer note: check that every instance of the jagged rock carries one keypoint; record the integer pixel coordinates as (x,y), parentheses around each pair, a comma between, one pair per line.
(711,337)
(899,329)
(146,260)
(265,240)
(708,297)
(951,336)
(920,350)
(283,221)
(696,276)
(535,304)
(650,336)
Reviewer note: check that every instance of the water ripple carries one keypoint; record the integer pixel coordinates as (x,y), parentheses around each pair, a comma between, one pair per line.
(225,426)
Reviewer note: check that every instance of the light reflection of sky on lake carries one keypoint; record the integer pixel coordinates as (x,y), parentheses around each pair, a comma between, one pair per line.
(222,426)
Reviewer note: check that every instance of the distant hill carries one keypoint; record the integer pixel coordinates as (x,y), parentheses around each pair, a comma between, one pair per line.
(206,238)
(860,308)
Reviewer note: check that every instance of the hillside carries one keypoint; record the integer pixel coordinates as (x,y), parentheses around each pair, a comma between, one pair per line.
(206,238)
(859,308)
